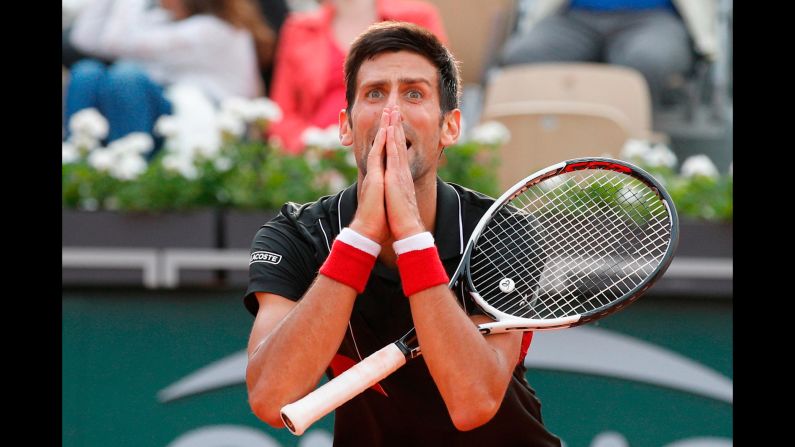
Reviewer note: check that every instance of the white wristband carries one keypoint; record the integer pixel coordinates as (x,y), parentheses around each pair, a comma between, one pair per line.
(363,243)
(419,241)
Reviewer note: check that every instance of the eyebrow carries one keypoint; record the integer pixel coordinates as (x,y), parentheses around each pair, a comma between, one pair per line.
(401,81)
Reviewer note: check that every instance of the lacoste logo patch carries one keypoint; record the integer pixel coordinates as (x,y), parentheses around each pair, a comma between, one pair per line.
(265,256)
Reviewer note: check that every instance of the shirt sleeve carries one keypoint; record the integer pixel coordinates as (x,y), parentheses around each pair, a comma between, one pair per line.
(282,262)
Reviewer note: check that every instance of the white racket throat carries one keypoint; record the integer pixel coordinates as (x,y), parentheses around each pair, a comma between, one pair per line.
(509,323)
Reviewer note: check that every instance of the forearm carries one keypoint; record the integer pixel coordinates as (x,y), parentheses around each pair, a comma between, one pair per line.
(471,371)
(288,362)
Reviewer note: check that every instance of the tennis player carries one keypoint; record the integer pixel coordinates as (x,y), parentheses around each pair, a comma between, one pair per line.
(335,280)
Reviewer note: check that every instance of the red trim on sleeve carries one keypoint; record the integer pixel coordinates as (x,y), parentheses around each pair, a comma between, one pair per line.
(526,338)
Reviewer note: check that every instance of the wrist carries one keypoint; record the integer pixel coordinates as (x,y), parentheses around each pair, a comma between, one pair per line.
(405,233)
(419,264)
(351,259)
(364,230)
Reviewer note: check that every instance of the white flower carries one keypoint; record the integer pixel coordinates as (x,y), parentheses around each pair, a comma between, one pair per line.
(699,165)
(135,143)
(223,164)
(312,136)
(69,153)
(236,106)
(207,148)
(635,149)
(102,159)
(129,167)
(181,164)
(89,204)
(89,122)
(167,126)
(660,155)
(332,179)
(264,108)
(194,127)
(231,123)
(83,141)
(491,132)
(327,138)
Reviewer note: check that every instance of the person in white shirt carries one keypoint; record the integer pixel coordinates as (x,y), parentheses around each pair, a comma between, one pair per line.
(216,46)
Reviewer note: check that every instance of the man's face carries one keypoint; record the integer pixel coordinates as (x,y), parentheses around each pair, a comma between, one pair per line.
(410,82)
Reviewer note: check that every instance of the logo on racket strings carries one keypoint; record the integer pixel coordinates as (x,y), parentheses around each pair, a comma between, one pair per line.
(265,256)
(507,285)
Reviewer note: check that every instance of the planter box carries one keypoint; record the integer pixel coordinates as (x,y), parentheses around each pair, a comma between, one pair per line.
(702,265)
(701,239)
(116,247)
(113,237)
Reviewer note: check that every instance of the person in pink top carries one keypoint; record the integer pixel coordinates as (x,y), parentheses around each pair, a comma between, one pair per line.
(308,81)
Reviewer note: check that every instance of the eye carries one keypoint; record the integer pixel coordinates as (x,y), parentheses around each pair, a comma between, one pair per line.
(414,94)
(374,94)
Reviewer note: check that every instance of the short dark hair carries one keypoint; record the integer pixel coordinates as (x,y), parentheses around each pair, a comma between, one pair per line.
(396,36)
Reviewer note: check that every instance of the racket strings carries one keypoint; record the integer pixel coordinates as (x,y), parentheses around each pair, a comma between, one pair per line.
(571,244)
(608,262)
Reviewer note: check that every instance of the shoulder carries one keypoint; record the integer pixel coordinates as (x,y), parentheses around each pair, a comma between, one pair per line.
(473,205)
(309,223)
(471,199)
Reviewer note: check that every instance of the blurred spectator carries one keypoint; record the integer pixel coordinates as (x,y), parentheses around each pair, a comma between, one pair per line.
(216,46)
(274,13)
(655,37)
(308,81)
(70,9)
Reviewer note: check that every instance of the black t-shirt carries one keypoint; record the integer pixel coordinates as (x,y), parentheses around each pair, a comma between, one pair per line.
(405,408)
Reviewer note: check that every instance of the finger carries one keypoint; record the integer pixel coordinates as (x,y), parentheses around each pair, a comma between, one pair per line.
(392,157)
(375,159)
(400,141)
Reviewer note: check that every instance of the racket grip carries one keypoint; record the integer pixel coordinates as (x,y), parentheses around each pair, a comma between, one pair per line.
(299,415)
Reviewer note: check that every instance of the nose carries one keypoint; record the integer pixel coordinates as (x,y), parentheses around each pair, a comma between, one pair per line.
(392,100)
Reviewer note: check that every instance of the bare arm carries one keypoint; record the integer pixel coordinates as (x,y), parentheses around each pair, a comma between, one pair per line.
(291,344)
(471,372)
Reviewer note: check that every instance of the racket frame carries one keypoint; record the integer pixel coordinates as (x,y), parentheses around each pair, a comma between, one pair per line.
(506,322)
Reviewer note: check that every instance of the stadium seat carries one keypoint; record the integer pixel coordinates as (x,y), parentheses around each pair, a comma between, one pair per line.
(557,111)
(546,132)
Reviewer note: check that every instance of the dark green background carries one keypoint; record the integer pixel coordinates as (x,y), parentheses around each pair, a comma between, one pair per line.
(120,347)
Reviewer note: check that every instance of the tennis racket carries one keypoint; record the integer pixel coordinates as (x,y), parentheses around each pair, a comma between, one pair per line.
(565,246)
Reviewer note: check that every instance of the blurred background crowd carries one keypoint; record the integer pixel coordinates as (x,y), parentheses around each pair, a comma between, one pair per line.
(603,71)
